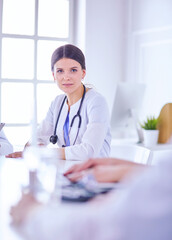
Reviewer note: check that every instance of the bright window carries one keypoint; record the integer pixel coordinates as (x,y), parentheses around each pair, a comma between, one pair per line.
(53,18)
(18,17)
(30,30)
(17,58)
(45,49)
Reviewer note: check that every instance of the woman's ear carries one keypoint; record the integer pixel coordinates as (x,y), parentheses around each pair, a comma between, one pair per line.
(53,76)
(84,73)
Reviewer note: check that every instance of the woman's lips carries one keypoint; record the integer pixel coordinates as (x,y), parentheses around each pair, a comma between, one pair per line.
(67,85)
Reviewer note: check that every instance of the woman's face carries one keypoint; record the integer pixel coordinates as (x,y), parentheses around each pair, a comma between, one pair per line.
(68,74)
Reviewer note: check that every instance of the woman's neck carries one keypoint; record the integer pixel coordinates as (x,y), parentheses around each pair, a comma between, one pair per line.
(73,98)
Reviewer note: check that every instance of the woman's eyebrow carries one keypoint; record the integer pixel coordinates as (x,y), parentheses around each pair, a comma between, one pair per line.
(57,68)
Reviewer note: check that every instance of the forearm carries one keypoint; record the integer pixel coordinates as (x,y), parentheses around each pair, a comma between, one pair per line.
(116,161)
(81,151)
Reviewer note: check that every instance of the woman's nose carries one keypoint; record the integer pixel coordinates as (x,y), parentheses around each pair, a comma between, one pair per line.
(66,76)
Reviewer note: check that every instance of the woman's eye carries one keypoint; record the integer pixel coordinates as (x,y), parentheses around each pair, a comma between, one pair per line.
(74,70)
(59,71)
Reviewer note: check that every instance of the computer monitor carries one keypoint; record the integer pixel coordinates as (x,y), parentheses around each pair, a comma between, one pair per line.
(125,111)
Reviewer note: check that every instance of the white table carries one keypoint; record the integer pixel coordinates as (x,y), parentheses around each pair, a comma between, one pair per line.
(128,149)
(14,174)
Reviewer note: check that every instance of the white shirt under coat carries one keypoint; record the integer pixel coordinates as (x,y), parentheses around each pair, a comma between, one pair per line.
(94,135)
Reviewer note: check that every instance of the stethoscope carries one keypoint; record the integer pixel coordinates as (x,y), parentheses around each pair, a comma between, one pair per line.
(54,138)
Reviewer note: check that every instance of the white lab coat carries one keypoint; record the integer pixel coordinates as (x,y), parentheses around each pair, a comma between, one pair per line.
(141,211)
(94,135)
(5,145)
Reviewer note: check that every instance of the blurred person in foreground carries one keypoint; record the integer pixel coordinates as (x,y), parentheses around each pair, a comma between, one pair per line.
(141,210)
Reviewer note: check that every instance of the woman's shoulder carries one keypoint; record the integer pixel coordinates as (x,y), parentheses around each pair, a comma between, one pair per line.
(59,97)
(96,102)
(57,100)
(93,95)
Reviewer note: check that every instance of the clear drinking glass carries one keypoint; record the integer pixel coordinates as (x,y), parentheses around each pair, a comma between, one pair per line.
(43,169)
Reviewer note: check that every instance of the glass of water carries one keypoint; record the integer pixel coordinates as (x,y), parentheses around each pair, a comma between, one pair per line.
(43,169)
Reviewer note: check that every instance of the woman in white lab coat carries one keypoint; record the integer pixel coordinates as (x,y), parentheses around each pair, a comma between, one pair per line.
(5,145)
(78,120)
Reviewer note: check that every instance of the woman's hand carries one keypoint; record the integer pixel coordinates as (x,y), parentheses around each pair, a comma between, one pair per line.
(20,153)
(15,155)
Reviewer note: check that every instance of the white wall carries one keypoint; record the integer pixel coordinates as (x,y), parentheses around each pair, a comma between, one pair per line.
(150,51)
(128,40)
(104,43)
(79,7)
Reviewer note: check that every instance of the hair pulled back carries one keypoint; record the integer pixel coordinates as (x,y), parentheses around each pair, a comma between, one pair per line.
(68,51)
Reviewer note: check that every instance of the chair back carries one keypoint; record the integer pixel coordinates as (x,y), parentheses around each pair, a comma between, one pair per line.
(131,152)
(165,124)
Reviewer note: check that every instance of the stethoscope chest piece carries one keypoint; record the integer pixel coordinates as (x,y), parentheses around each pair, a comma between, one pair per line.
(53,139)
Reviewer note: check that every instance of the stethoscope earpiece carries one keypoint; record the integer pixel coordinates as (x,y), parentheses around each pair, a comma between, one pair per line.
(53,139)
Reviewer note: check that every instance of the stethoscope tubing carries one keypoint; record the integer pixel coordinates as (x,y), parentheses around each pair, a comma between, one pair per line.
(73,119)
(59,115)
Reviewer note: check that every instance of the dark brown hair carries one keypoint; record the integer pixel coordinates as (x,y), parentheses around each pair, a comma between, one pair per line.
(68,51)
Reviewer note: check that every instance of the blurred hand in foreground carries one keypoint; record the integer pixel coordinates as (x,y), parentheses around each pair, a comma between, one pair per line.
(15,155)
(24,207)
(104,170)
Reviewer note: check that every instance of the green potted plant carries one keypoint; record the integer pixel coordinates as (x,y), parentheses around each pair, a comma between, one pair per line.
(150,131)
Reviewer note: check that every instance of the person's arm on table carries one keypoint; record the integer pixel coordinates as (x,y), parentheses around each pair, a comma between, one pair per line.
(93,162)
(60,153)
(42,132)
(142,211)
(108,173)
(18,154)
(15,155)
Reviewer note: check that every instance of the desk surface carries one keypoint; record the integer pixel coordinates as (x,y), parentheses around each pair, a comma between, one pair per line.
(14,174)
(130,141)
